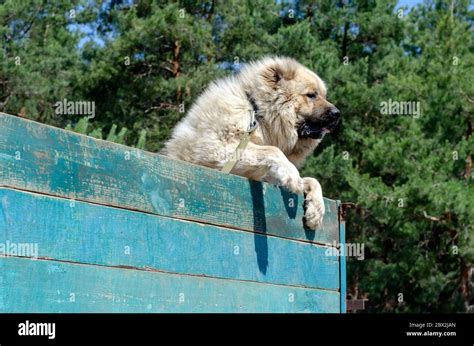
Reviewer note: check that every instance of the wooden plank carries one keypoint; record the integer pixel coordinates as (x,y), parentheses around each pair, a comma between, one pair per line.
(95,234)
(49,160)
(49,286)
(342,261)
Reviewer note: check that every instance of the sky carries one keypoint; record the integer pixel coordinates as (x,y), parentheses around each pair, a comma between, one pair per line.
(409,3)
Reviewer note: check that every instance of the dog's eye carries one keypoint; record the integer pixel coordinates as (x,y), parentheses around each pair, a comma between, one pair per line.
(312,96)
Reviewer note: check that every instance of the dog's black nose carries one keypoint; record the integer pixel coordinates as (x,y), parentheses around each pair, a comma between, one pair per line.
(334,113)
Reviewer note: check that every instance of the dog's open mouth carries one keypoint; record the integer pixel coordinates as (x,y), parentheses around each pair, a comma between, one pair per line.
(316,129)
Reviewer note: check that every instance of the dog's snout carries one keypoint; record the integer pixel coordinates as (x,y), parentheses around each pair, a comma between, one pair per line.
(334,113)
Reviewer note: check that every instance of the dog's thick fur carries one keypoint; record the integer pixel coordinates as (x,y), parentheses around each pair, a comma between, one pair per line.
(286,96)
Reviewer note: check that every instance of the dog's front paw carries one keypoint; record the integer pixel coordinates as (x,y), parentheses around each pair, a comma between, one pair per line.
(313,212)
(287,176)
(292,183)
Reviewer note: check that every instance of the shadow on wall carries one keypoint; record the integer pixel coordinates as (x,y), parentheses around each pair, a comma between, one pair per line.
(290,200)
(259,225)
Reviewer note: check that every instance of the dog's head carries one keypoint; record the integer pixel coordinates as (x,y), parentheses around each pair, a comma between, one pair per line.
(302,94)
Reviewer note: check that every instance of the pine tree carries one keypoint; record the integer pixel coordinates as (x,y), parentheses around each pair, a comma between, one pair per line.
(39,59)
(408,175)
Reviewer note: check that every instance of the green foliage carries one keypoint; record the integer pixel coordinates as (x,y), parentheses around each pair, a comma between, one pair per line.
(83,126)
(410,177)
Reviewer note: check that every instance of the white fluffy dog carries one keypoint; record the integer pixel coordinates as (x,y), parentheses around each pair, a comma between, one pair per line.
(288,102)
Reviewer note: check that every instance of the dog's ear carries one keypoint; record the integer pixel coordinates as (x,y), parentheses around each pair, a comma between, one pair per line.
(278,70)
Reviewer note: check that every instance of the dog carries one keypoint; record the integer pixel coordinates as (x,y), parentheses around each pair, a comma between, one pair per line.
(286,102)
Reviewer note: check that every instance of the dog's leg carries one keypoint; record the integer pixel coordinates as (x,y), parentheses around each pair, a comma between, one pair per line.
(313,203)
(268,163)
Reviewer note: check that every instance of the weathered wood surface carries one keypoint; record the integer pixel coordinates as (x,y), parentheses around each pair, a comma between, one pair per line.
(51,286)
(48,160)
(122,230)
(95,234)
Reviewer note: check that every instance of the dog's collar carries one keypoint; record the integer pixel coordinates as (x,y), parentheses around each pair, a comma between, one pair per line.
(252,102)
(254,115)
(254,121)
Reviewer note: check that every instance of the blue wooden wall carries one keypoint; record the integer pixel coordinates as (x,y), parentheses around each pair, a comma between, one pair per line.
(122,230)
